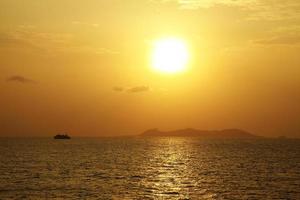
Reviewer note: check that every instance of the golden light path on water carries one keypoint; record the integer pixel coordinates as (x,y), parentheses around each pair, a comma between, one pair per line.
(172,171)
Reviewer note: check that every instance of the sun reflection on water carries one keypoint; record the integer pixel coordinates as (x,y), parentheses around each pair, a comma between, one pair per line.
(171,172)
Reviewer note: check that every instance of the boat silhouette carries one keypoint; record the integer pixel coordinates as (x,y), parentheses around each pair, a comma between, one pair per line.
(62,136)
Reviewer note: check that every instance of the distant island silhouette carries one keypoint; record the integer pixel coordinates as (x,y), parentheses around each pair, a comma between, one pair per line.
(222,134)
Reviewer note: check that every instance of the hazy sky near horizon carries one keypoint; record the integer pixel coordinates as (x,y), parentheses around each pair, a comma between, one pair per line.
(84,66)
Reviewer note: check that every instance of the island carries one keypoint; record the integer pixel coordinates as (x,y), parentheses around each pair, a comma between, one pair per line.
(62,136)
(219,134)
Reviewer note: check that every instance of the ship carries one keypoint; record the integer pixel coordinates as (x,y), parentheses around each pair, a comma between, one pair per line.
(62,136)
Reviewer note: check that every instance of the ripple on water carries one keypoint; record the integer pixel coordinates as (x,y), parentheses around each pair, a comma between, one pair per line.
(152,168)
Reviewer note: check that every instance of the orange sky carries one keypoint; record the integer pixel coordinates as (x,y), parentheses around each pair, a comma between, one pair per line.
(84,66)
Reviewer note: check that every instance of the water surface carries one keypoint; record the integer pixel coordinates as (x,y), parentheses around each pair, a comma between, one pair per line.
(149,168)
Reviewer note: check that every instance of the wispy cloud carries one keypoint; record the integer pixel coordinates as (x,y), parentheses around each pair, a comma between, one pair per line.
(256,9)
(118,89)
(136,89)
(106,51)
(19,79)
(94,25)
(29,38)
(283,40)
(194,4)
(47,43)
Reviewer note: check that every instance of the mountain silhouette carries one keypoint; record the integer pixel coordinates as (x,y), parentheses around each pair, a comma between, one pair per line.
(226,133)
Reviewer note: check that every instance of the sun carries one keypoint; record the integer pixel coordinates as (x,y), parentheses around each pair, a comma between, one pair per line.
(170,55)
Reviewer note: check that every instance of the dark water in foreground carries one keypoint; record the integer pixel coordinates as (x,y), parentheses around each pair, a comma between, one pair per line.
(153,168)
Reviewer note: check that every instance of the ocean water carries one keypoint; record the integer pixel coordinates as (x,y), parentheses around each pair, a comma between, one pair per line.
(149,168)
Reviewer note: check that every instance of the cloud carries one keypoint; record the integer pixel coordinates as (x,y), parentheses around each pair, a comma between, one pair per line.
(19,79)
(24,38)
(118,89)
(95,25)
(135,89)
(195,4)
(255,9)
(106,51)
(138,89)
(284,40)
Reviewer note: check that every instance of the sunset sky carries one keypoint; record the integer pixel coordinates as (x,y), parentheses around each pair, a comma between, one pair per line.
(86,67)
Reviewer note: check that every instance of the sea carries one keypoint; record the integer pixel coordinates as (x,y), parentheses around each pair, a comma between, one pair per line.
(149,168)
